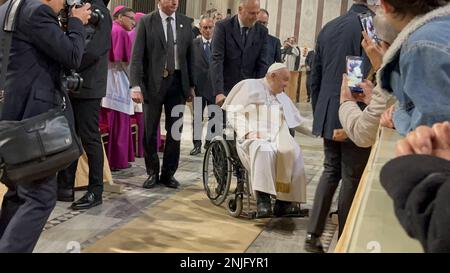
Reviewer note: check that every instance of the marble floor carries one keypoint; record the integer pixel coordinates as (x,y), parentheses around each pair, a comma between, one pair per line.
(68,231)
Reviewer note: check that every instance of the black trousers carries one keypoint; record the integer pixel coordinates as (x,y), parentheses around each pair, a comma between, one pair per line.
(346,161)
(170,96)
(25,211)
(198,123)
(86,112)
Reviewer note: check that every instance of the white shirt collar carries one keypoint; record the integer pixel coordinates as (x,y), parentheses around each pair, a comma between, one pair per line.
(241,25)
(164,16)
(205,41)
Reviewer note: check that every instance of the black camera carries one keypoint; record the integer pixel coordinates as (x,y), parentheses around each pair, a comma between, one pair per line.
(73,82)
(96,15)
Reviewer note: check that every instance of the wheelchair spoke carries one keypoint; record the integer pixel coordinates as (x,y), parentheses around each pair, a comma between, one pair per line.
(216,174)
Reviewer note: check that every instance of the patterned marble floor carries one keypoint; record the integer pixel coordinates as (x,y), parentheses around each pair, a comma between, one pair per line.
(68,231)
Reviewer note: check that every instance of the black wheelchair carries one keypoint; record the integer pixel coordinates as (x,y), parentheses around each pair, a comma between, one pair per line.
(226,180)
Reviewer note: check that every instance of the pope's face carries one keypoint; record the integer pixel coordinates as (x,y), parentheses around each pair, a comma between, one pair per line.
(280,81)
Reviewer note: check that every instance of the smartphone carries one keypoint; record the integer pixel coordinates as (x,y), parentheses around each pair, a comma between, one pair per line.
(355,73)
(368,26)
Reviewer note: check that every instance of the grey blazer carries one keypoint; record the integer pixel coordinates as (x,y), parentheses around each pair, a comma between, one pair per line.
(202,75)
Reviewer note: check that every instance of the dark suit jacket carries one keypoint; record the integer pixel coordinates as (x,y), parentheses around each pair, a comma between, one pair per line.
(420,188)
(202,76)
(149,54)
(39,51)
(309,61)
(337,40)
(273,50)
(94,65)
(231,62)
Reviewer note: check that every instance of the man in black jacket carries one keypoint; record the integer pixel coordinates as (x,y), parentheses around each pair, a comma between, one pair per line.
(343,159)
(309,61)
(239,50)
(273,43)
(39,51)
(86,107)
(202,81)
(419,183)
(161,75)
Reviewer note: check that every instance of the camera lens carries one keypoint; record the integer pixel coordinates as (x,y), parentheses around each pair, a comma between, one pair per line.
(73,82)
(96,16)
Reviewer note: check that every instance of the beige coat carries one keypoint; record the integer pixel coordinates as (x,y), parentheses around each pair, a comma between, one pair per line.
(362,126)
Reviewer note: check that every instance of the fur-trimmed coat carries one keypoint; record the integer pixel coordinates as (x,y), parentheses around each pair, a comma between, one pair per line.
(416,70)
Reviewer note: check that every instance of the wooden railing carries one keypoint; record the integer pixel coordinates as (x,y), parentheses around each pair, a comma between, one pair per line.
(297,87)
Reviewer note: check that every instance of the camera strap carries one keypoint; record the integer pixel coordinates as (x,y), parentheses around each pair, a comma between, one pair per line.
(9,25)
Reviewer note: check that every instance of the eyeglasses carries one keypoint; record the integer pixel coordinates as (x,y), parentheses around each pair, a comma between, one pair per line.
(129,17)
(207,27)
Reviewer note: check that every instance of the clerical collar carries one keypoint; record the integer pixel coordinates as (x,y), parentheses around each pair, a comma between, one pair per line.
(269,91)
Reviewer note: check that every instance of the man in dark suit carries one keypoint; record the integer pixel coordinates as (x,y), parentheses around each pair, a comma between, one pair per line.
(161,76)
(239,49)
(273,43)
(39,50)
(309,64)
(343,159)
(202,80)
(86,107)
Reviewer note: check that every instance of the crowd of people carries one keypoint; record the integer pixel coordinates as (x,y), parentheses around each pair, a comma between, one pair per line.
(135,66)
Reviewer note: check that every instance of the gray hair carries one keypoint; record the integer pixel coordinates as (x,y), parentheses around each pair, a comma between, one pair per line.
(245,2)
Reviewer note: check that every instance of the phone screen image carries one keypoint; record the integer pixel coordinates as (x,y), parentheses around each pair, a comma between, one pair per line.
(368,26)
(354,73)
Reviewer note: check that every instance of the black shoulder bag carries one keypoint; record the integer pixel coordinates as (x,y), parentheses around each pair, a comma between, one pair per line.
(37,147)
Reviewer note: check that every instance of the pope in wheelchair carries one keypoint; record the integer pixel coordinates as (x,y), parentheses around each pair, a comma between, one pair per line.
(263,116)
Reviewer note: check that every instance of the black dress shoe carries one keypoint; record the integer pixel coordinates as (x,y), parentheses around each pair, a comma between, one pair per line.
(196,151)
(171,183)
(313,244)
(151,182)
(263,205)
(89,200)
(66,195)
(289,209)
(207,144)
(282,208)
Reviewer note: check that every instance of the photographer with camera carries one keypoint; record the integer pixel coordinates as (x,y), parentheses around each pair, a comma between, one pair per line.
(86,101)
(39,52)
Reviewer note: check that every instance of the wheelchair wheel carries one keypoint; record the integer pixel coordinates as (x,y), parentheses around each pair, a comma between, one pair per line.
(217,171)
(235,205)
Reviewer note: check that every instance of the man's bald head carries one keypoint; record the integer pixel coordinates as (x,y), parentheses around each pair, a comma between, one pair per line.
(248,12)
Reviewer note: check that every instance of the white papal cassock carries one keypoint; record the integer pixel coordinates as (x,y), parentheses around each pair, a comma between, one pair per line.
(274,160)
